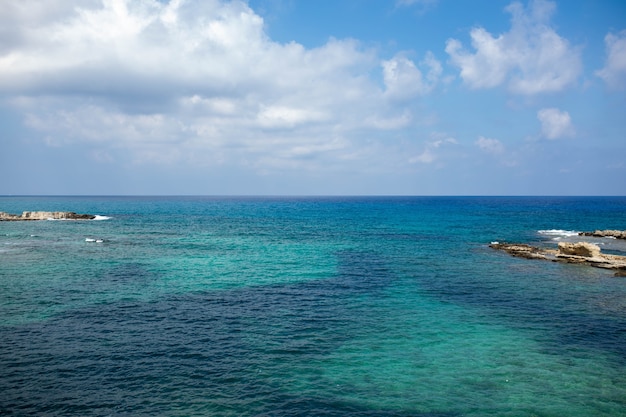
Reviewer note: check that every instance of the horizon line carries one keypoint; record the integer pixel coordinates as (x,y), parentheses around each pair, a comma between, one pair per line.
(312,195)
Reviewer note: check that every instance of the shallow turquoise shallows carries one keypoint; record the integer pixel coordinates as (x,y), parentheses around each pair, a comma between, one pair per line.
(388,306)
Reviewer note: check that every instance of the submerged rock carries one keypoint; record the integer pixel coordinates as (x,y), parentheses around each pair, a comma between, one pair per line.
(580,253)
(45,215)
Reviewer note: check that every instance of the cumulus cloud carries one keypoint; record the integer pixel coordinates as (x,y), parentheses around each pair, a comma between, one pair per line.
(614,71)
(197,81)
(530,58)
(555,124)
(146,47)
(403,80)
(492,146)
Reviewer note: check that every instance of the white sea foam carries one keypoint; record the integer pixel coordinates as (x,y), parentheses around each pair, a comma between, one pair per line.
(558,234)
(89,239)
(98,217)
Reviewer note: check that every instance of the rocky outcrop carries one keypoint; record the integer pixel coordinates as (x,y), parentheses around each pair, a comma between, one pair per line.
(584,249)
(579,253)
(617,234)
(523,251)
(45,215)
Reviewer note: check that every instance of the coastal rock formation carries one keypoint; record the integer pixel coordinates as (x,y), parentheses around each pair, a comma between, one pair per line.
(45,215)
(580,253)
(523,251)
(617,234)
(587,250)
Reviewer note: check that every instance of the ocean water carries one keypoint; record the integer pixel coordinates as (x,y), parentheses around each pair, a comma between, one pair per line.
(388,306)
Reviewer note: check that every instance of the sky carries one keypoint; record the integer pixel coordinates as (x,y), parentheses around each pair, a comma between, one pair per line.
(324,97)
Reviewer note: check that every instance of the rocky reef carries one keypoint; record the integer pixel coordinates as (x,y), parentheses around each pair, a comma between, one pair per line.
(45,215)
(578,253)
(617,234)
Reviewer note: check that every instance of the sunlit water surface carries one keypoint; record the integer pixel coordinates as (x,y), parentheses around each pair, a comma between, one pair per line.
(195,306)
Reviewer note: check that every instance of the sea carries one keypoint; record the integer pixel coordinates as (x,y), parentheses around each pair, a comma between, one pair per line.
(309,306)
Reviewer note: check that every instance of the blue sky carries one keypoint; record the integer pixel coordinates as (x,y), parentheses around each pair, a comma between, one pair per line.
(284,97)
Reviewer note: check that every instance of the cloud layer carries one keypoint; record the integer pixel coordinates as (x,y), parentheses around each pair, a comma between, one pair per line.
(202,76)
(201,84)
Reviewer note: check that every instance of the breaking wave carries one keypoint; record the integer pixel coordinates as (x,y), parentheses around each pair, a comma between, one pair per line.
(558,234)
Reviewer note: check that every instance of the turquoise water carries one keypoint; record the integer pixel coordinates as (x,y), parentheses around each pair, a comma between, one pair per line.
(308,306)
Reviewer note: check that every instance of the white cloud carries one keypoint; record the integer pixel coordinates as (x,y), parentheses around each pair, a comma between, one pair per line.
(430,153)
(84,122)
(530,58)
(614,71)
(196,81)
(283,116)
(555,124)
(493,146)
(403,80)
(389,122)
(443,140)
(138,47)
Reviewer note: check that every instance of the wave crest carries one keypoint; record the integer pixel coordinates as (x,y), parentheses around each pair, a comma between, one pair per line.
(558,234)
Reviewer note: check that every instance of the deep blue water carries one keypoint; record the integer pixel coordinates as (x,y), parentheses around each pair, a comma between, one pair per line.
(258,306)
